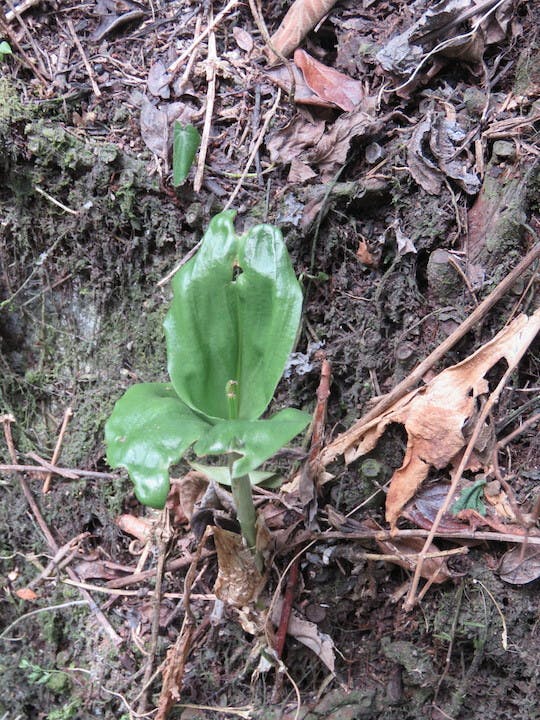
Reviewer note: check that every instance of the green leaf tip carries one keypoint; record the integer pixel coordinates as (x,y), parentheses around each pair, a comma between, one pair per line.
(234,316)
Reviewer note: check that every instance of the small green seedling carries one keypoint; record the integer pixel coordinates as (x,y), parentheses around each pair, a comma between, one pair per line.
(186,141)
(230,329)
(5,49)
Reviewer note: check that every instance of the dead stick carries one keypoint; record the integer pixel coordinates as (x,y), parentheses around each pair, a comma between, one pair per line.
(453,535)
(67,473)
(57,448)
(286,608)
(86,62)
(176,564)
(350,436)
(111,632)
(210,99)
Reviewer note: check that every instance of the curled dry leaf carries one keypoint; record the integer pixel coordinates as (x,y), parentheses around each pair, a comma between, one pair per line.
(329,84)
(434,416)
(520,565)
(406,551)
(308,634)
(185,493)
(436,137)
(138,527)
(239,582)
(450,28)
(303,16)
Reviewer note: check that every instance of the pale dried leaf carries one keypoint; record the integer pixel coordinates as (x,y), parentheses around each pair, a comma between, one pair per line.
(308,634)
(302,16)
(158,80)
(155,129)
(434,416)
(243,39)
(520,565)
(239,582)
(281,76)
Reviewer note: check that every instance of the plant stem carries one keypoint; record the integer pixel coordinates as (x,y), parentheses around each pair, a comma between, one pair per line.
(245,512)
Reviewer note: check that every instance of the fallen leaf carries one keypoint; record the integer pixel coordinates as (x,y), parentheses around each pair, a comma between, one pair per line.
(520,565)
(330,153)
(185,493)
(406,552)
(26,594)
(435,415)
(158,80)
(329,84)
(308,634)
(243,39)
(302,16)
(239,582)
(292,140)
(303,95)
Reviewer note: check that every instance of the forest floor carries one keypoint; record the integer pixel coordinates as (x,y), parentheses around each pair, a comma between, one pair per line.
(402,170)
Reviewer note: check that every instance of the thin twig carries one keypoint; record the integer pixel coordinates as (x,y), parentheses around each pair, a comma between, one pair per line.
(89,69)
(57,448)
(210,99)
(172,69)
(267,119)
(67,473)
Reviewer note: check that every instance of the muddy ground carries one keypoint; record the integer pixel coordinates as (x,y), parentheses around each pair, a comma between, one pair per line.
(90,227)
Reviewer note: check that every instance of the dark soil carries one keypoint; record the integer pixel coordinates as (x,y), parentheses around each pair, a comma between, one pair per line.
(90,225)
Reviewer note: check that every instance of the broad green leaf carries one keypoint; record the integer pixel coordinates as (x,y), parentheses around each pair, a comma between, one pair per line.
(5,49)
(471,498)
(186,141)
(253,440)
(150,428)
(222,475)
(234,316)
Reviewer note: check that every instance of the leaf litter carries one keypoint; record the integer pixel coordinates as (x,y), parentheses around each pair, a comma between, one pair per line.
(317,144)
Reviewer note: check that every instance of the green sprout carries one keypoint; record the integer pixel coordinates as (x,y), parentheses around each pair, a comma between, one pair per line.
(229,330)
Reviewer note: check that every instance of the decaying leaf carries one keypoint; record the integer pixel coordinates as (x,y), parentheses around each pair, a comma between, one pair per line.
(450,28)
(406,551)
(437,137)
(239,582)
(520,565)
(435,416)
(185,493)
(303,16)
(330,153)
(308,634)
(328,84)
(292,140)
(26,594)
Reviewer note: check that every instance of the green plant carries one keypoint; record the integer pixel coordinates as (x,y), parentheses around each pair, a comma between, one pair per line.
(230,329)
(5,49)
(186,141)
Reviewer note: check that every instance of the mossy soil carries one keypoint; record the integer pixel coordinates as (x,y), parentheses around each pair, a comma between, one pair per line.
(87,234)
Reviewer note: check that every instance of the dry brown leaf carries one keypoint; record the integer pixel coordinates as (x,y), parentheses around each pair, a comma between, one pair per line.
(329,84)
(520,565)
(26,594)
(292,140)
(330,153)
(239,582)
(434,416)
(406,551)
(281,76)
(302,16)
(185,493)
(308,634)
